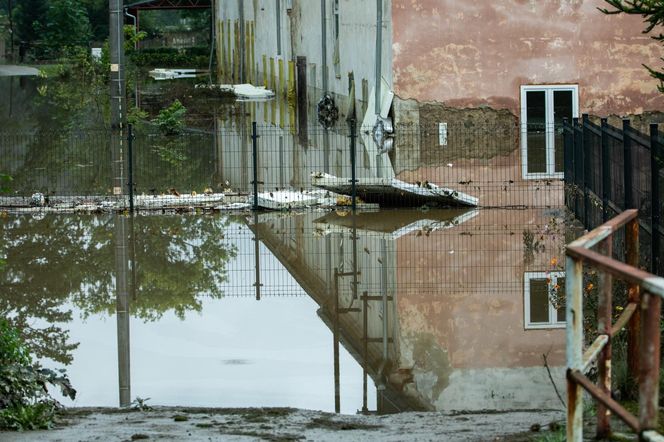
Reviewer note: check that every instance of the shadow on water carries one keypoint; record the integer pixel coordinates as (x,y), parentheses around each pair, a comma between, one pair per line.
(388,311)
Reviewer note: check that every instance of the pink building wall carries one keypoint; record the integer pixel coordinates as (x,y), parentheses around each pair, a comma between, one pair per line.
(476,53)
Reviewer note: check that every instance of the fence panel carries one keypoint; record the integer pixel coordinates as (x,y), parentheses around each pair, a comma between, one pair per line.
(612,171)
(57,162)
(500,164)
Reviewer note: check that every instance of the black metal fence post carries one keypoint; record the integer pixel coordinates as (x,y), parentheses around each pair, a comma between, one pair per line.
(627,164)
(585,148)
(655,158)
(130,165)
(606,170)
(568,161)
(578,166)
(254,144)
(353,178)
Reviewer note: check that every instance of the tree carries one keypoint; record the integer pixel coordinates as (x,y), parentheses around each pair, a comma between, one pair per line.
(66,25)
(652,12)
(63,262)
(98,16)
(27,15)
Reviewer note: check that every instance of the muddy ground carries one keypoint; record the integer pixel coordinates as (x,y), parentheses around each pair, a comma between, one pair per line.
(285,424)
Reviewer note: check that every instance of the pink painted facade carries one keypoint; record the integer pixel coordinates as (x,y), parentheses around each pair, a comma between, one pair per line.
(478,53)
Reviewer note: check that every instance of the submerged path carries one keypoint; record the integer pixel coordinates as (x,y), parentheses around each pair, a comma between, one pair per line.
(10,70)
(287,424)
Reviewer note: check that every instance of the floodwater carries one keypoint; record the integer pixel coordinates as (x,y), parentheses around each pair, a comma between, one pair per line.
(443,310)
(387,311)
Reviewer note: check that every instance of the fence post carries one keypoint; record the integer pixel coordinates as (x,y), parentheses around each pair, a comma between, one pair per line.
(353,177)
(302,103)
(574,346)
(606,170)
(578,165)
(585,145)
(130,165)
(649,374)
(655,202)
(604,318)
(569,161)
(633,295)
(254,148)
(627,164)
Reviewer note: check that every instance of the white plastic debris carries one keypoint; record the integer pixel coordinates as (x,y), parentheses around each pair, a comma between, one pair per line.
(173,74)
(37,199)
(251,92)
(285,199)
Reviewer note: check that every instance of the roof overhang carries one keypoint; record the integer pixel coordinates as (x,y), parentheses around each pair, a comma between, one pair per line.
(169,4)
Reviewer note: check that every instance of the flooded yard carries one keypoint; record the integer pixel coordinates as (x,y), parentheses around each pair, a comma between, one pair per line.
(454,311)
(444,310)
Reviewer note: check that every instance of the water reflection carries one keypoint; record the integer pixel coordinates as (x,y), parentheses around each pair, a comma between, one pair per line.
(387,311)
(438,298)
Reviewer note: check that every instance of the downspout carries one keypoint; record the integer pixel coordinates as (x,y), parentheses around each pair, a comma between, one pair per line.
(133,17)
(213,38)
(379,53)
(278,7)
(323,25)
(242,42)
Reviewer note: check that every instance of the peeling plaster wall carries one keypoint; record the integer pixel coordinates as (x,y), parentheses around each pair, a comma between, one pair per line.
(471,54)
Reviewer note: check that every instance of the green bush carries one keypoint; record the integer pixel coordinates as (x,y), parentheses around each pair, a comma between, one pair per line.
(4,182)
(25,403)
(171,119)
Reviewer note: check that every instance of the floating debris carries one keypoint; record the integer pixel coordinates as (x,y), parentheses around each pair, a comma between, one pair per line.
(394,192)
(175,74)
(243,91)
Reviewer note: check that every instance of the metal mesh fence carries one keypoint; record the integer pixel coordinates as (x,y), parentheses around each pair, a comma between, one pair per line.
(57,163)
(496,165)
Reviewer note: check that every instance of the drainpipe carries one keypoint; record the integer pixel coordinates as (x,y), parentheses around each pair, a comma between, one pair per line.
(242,42)
(278,7)
(133,17)
(323,25)
(379,52)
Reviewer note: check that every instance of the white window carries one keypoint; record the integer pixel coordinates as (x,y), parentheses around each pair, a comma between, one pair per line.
(544,300)
(542,111)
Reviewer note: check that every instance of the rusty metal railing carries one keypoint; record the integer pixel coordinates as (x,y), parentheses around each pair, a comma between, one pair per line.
(640,316)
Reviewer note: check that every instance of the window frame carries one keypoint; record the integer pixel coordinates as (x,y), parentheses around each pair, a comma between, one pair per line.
(553,323)
(548,90)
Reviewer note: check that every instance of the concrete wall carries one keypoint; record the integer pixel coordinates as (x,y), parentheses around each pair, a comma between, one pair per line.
(472,54)
(301,35)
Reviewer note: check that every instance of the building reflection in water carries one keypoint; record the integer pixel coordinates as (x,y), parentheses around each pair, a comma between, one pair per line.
(444,310)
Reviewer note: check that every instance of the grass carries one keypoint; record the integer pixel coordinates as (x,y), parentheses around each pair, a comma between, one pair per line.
(51,70)
(552,436)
